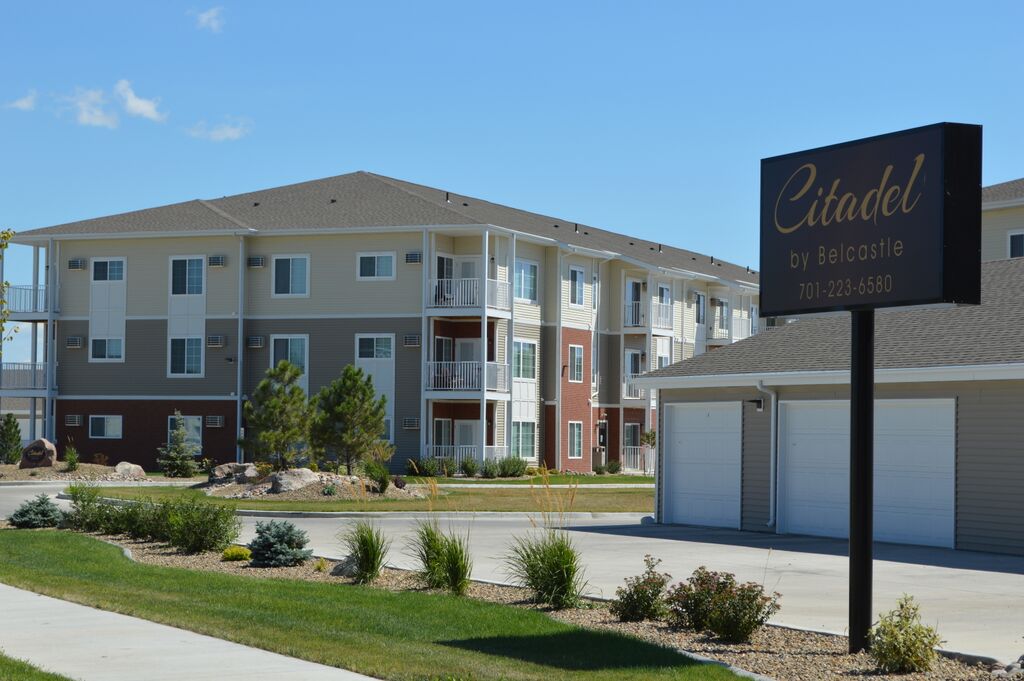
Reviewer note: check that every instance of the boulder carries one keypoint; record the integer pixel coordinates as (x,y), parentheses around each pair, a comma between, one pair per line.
(38,454)
(131,471)
(241,473)
(296,478)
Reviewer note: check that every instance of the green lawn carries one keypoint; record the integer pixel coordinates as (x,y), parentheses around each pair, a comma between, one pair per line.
(554,479)
(16,670)
(407,635)
(526,499)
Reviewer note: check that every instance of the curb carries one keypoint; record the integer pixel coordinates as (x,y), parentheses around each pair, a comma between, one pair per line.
(478,486)
(98,483)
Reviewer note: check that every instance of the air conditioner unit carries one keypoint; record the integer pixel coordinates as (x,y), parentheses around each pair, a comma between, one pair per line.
(72,419)
(217,260)
(74,342)
(254,342)
(412,340)
(413,258)
(76,264)
(411,423)
(256,261)
(214,421)
(216,341)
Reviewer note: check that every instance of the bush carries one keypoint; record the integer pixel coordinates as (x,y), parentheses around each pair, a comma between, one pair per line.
(427,543)
(37,512)
(100,459)
(399,482)
(70,458)
(737,614)
(428,467)
(444,560)
(312,465)
(236,553)
(469,467)
(511,467)
(196,526)
(900,643)
(643,597)
(177,459)
(367,551)
(533,471)
(614,467)
(456,564)
(550,566)
(378,473)
(412,468)
(329,491)
(279,543)
(320,565)
(489,469)
(10,439)
(446,466)
(690,602)
(264,469)
(600,469)
(87,511)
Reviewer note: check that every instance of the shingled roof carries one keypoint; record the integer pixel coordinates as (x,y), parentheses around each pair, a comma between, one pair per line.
(1004,191)
(973,335)
(363,199)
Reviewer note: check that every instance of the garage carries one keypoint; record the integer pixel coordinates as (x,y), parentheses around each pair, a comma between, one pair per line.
(702,467)
(915,441)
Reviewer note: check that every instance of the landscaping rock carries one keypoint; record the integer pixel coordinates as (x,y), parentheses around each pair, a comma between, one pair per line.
(242,473)
(130,471)
(290,480)
(38,454)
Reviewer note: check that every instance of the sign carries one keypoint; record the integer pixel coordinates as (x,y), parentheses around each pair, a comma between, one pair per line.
(880,222)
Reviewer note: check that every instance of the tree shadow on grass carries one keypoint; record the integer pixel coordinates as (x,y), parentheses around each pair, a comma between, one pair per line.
(578,651)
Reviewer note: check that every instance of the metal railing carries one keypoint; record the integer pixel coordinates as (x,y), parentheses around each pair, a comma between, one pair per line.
(638,460)
(740,329)
(718,329)
(630,390)
(457,453)
(495,452)
(26,298)
(466,376)
(499,294)
(662,315)
(633,314)
(466,293)
(23,375)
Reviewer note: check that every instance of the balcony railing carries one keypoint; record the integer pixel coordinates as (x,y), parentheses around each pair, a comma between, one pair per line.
(662,315)
(457,453)
(630,390)
(452,293)
(466,376)
(499,294)
(23,375)
(633,314)
(493,453)
(26,298)
(740,329)
(638,460)
(718,329)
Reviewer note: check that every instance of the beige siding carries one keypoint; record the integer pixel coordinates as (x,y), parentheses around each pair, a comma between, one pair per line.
(995,228)
(550,286)
(528,312)
(572,314)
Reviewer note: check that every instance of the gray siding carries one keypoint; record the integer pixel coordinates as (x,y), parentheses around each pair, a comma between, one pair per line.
(549,363)
(756,472)
(610,388)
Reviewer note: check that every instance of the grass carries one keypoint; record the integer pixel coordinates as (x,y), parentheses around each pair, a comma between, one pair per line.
(389,635)
(526,500)
(554,479)
(16,670)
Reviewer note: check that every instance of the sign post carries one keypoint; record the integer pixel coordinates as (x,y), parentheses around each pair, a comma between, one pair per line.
(881,222)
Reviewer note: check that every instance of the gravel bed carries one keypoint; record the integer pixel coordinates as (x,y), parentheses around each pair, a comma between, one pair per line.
(86,472)
(346,488)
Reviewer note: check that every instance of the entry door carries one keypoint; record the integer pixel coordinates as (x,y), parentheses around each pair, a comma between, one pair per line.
(443,432)
(633,365)
(443,350)
(445,267)
(631,435)
(375,356)
(467,435)
(634,296)
(467,268)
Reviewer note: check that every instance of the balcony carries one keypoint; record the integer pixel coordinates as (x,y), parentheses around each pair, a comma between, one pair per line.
(26,299)
(23,376)
(661,314)
(466,376)
(462,293)
(630,390)
(741,328)
(638,460)
(459,453)
(719,329)
(633,314)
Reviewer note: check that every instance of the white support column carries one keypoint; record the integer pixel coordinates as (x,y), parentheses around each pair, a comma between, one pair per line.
(34,353)
(510,339)
(483,345)
(50,346)
(425,343)
(558,360)
(650,352)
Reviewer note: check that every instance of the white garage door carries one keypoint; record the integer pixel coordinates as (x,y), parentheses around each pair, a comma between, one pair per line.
(702,463)
(914,470)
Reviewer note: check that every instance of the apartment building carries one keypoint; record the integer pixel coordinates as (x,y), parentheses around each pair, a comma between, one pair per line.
(491,330)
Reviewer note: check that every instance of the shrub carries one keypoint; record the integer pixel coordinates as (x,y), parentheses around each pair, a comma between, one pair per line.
(550,566)
(690,602)
(469,467)
(10,439)
(446,466)
(70,458)
(427,543)
(737,614)
(37,512)
(320,565)
(600,469)
(196,526)
(900,643)
(367,551)
(154,521)
(411,467)
(533,471)
(264,469)
(86,514)
(456,564)
(279,543)
(100,459)
(312,465)
(614,467)
(329,490)
(643,597)
(399,482)
(236,553)
(378,473)
(489,469)
(511,467)
(428,467)
(177,458)
(207,465)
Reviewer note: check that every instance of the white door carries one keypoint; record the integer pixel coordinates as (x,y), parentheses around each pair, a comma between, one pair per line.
(375,355)
(702,464)
(914,488)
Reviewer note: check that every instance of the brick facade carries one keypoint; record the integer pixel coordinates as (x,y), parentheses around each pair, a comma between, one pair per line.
(575,403)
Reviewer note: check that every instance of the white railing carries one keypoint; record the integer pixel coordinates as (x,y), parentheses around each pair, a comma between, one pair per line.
(466,376)
(466,293)
(495,452)
(499,294)
(630,390)
(633,314)
(662,314)
(26,298)
(715,330)
(23,375)
(740,329)
(457,453)
(638,460)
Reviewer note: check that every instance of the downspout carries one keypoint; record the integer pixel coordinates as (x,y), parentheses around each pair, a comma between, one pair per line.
(774,455)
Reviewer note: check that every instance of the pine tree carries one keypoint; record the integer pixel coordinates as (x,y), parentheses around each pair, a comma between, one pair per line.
(348,418)
(277,416)
(10,439)
(178,458)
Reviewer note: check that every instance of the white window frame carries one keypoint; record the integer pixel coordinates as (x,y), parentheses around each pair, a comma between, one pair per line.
(581,273)
(375,255)
(700,304)
(663,299)
(304,380)
(273,274)
(202,357)
(658,343)
(108,259)
(120,420)
(536,281)
(450,433)
(524,341)
(724,314)
(376,336)
(106,360)
(573,361)
(170,274)
(170,426)
(516,443)
(579,441)
(1009,241)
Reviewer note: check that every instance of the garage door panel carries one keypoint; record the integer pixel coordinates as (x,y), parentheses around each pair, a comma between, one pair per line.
(702,464)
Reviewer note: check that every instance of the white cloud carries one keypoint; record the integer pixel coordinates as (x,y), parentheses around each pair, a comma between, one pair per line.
(225,132)
(137,106)
(211,20)
(89,109)
(26,103)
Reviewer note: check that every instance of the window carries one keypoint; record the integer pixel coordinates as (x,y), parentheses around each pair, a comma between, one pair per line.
(723,314)
(576,275)
(186,276)
(755,315)
(631,435)
(575,439)
(702,308)
(375,347)
(291,275)
(524,438)
(105,427)
(524,359)
(194,428)
(526,281)
(443,432)
(376,266)
(664,351)
(575,363)
(664,294)
(108,270)
(443,349)
(186,357)
(1017,245)
(106,349)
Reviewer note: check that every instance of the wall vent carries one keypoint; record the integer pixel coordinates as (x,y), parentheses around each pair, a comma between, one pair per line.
(256,261)
(217,260)
(254,342)
(411,423)
(216,341)
(413,258)
(76,264)
(74,342)
(412,340)
(72,419)
(214,421)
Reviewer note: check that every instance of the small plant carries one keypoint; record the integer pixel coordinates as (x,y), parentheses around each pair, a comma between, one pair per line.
(690,603)
(279,543)
(70,458)
(100,459)
(444,560)
(426,545)
(649,438)
(10,439)
(469,467)
(329,490)
(36,513)
(737,614)
(236,553)
(178,456)
(532,471)
(378,473)
(427,467)
(511,467)
(900,643)
(446,466)
(320,565)
(643,597)
(87,511)
(312,465)
(399,482)
(367,551)
(195,526)
(614,467)
(206,466)
(599,469)
(264,469)
(412,468)
(550,566)
(489,469)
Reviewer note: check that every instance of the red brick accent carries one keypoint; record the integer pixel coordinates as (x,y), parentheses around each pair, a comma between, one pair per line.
(575,402)
(144,428)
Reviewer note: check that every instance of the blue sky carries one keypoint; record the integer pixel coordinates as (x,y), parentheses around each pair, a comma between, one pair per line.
(643,117)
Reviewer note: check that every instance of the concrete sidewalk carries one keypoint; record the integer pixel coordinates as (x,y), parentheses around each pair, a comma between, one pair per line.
(95,645)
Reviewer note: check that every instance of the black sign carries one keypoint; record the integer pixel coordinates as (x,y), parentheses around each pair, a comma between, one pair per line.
(879,222)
